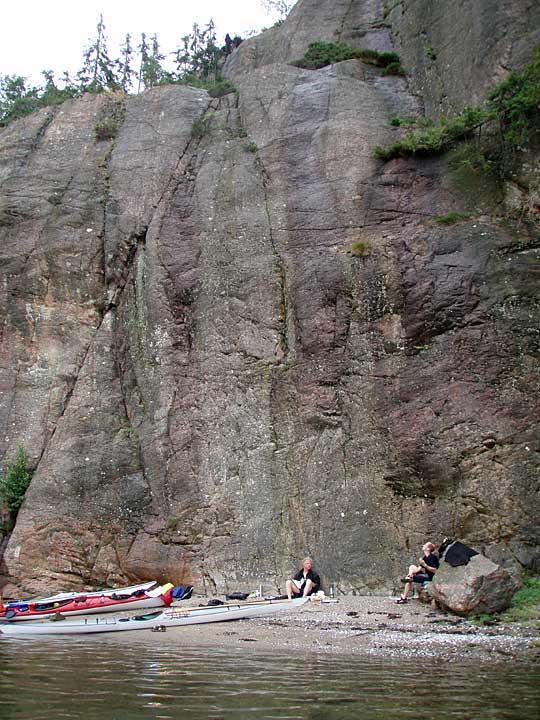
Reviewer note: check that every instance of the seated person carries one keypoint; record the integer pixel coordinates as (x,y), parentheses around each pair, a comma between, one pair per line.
(421,573)
(305,582)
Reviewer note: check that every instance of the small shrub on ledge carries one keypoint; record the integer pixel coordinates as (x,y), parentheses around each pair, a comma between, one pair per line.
(106,128)
(511,115)
(514,102)
(201,125)
(13,485)
(319,54)
(435,139)
(220,88)
(393,68)
(359,248)
(110,117)
(451,218)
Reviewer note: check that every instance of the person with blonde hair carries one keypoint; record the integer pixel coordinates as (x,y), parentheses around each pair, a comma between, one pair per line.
(421,573)
(305,582)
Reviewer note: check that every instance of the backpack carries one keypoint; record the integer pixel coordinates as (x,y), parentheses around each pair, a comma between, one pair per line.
(182,592)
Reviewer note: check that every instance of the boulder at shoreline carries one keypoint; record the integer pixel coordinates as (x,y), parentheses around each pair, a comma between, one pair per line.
(481,586)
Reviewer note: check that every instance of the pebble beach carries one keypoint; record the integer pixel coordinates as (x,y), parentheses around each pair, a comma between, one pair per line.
(368,626)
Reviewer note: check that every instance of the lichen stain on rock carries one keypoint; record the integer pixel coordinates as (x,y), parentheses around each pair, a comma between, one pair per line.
(208,385)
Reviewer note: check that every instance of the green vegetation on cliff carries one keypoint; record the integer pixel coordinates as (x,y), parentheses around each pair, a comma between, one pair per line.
(359,248)
(110,117)
(319,54)
(451,218)
(508,121)
(436,138)
(201,125)
(13,485)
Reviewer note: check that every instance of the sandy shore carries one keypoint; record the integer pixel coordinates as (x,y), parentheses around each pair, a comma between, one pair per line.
(368,626)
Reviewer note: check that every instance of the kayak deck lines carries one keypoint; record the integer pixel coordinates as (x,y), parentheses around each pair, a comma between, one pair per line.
(145,595)
(163,619)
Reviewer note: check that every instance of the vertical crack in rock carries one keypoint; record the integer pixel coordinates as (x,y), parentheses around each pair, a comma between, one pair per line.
(134,275)
(285,357)
(183,174)
(345,17)
(50,115)
(123,395)
(147,371)
(185,161)
(103,309)
(37,398)
(111,117)
(285,313)
(134,245)
(66,400)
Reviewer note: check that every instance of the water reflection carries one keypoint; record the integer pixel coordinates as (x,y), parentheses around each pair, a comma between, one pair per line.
(114,680)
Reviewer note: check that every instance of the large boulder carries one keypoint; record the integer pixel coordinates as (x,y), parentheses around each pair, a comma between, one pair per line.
(481,586)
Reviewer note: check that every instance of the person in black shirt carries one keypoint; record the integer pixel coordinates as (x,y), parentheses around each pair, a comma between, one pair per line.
(305,582)
(421,573)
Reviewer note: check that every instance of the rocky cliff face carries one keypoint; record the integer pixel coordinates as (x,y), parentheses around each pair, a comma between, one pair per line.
(208,384)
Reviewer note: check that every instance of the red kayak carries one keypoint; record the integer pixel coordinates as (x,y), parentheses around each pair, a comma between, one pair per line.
(84,604)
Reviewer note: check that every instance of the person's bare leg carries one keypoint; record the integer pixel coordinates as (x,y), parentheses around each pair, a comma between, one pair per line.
(290,589)
(413,569)
(308,588)
(406,590)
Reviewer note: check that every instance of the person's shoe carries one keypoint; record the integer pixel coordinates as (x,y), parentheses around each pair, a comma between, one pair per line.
(402,601)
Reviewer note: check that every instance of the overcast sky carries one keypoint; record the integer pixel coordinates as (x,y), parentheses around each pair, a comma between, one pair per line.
(38,35)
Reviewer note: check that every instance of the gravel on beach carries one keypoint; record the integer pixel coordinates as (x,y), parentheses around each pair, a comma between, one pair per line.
(368,626)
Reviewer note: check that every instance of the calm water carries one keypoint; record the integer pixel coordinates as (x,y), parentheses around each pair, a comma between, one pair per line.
(107,679)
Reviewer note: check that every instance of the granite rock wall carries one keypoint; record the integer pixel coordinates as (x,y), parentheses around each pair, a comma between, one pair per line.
(208,383)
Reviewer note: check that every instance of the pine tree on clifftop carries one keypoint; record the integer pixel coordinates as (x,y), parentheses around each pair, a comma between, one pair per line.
(98,71)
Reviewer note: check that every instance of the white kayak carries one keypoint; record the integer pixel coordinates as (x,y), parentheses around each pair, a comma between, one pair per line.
(158,621)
